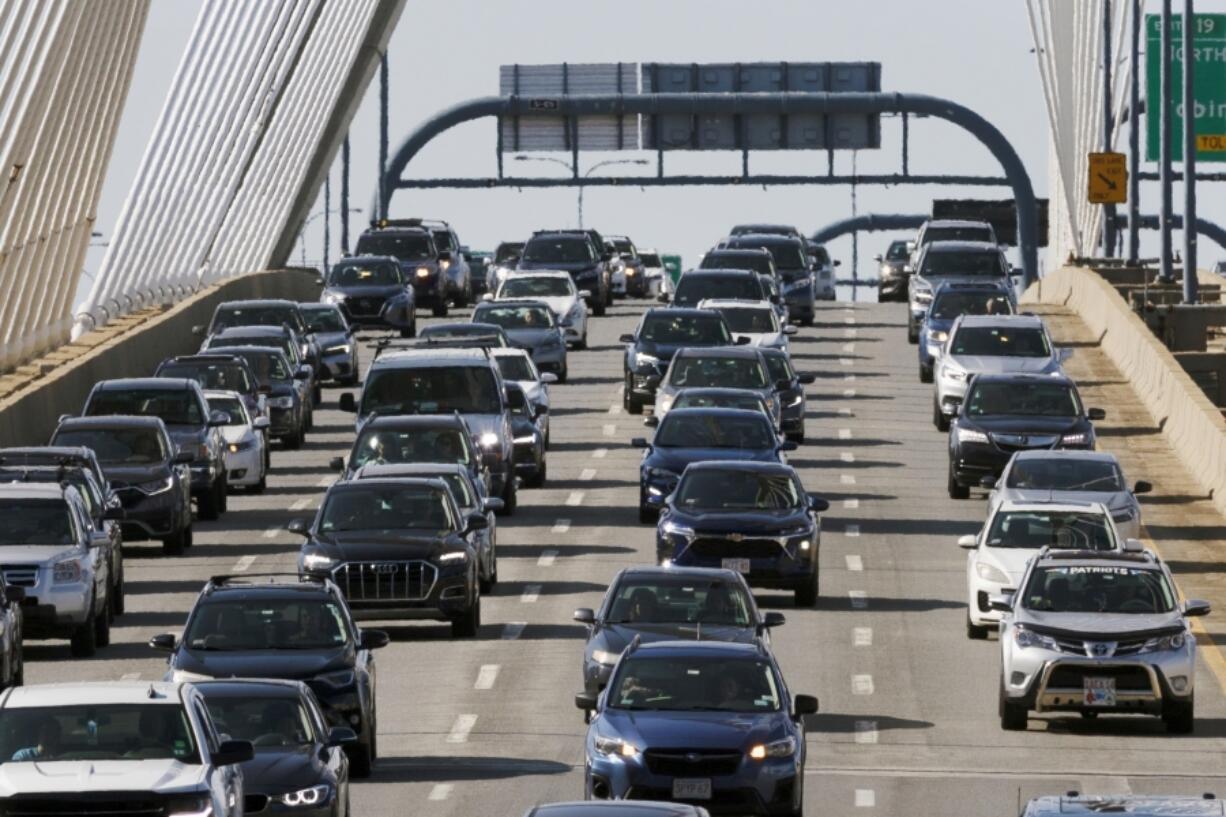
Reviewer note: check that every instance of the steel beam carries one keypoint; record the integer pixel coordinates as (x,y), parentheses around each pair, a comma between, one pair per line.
(869,222)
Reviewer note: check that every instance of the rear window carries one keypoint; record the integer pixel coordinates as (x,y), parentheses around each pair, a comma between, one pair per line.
(760,264)
(96,732)
(693,288)
(432,390)
(996,341)
(685,329)
(561,250)
(398,447)
(175,407)
(412,247)
(967,233)
(963,263)
(718,372)
(211,376)
(365,275)
(227,317)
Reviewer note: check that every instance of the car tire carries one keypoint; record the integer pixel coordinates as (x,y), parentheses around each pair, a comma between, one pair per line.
(102,626)
(912,333)
(538,478)
(1013,717)
(223,497)
(925,374)
(581,343)
(797,437)
(467,625)
(806,596)
(209,505)
(1179,717)
(633,404)
(564,373)
(439,310)
(648,516)
(84,640)
(956,489)
(599,304)
(317,394)
(938,417)
(510,494)
(260,486)
(361,761)
(806,321)
(176,543)
(974,631)
(293,441)
(118,602)
(19,674)
(404,333)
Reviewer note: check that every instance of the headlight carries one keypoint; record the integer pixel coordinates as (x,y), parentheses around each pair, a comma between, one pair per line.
(343,349)
(666,402)
(970,435)
(615,746)
(317,561)
(1123,514)
(444,265)
(191,807)
(641,359)
(953,374)
(991,573)
(66,572)
(156,486)
(525,440)
(285,402)
(453,557)
(331,298)
(306,797)
(682,531)
(604,657)
(923,297)
(242,445)
(180,675)
(488,440)
(336,680)
(1028,638)
(1166,642)
(796,400)
(1079,438)
(938,335)
(423,272)
(779,748)
(661,473)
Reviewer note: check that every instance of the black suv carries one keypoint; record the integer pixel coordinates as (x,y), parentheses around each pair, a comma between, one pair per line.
(421,260)
(659,335)
(398,439)
(456,271)
(701,285)
(287,400)
(271,312)
(194,428)
(373,290)
(220,372)
(270,626)
(397,548)
(145,469)
(792,264)
(581,253)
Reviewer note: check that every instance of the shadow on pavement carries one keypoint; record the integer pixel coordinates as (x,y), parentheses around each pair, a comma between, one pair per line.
(440,769)
(836,724)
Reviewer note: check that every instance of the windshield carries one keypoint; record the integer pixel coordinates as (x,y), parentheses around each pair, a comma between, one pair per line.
(269,723)
(137,731)
(536,286)
(324,320)
(750,319)
(1065,474)
(514,317)
(685,330)
(693,288)
(1098,589)
(116,446)
(969,232)
(694,683)
(1001,341)
(508,252)
(718,372)
(259,624)
(174,406)
(230,316)
(1067,530)
(963,263)
(386,507)
(658,600)
(425,445)
(365,275)
(267,366)
(230,406)
(758,263)
(788,255)
(752,433)
(570,250)
(213,376)
(1029,399)
(36,522)
(734,490)
(737,399)
(950,305)
(281,344)
(898,251)
(649,259)
(515,367)
(410,247)
(432,390)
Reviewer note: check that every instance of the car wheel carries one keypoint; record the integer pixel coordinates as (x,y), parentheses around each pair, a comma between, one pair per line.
(223,495)
(956,489)
(175,544)
(938,417)
(439,310)
(1179,717)
(598,305)
(912,333)
(797,436)
(974,631)
(19,676)
(117,596)
(538,479)
(510,494)
(648,516)
(102,626)
(317,394)
(406,333)
(208,505)
(633,404)
(1012,716)
(806,596)
(294,441)
(187,537)
(361,761)
(84,640)
(925,374)
(807,320)
(260,486)
(466,626)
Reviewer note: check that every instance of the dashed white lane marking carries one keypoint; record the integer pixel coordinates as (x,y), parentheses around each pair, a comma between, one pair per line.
(441,791)
(486,676)
(861,685)
(575,499)
(561,526)
(852,530)
(862,636)
(859,599)
(300,505)
(616,408)
(849,392)
(847,479)
(600,453)
(866,798)
(587,474)
(547,559)
(844,412)
(849,333)
(532,592)
(130,676)
(849,321)
(271,533)
(866,731)
(849,347)
(846,361)
(610,430)
(844,433)
(851,504)
(854,562)
(847,456)
(244,563)
(513,630)
(326,482)
(460,729)
(849,378)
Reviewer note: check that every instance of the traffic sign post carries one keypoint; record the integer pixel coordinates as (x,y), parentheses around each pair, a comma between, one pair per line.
(1107,180)
(1209,90)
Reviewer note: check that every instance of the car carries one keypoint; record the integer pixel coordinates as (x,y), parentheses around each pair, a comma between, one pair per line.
(420,258)
(947,229)
(699,285)
(119,747)
(653,272)
(1140,805)
(668,604)
(823,270)
(694,435)
(278,626)
(526,424)
(1073,475)
(650,348)
(754,321)
(717,398)
(244,451)
(1012,534)
(634,283)
(1006,413)
(397,549)
(47,548)
(339,359)
(710,722)
(949,302)
(478,269)
(530,325)
(506,258)
(732,367)
(466,382)
(300,766)
(276,337)
(557,290)
(952,261)
(148,473)
(221,371)
(267,312)
(765,229)
(792,405)
(466,335)
(1097,632)
(802,285)
(751,517)
(516,366)
(470,496)
(579,253)
(193,427)
(457,274)
(894,272)
(12,654)
(615,808)
(403,439)
(373,291)
(288,394)
(750,257)
(990,344)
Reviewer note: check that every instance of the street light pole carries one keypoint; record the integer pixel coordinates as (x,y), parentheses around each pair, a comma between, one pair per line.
(567,165)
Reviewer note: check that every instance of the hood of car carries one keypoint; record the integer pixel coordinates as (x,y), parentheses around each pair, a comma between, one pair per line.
(58,776)
(1012,561)
(380,545)
(560,305)
(135,474)
(329,339)
(187,436)
(675,459)
(235,434)
(36,554)
(766,339)
(289,664)
(1112,499)
(370,291)
(1096,626)
(615,637)
(993,364)
(530,338)
(696,730)
(480,424)
(748,522)
(275,771)
(1025,424)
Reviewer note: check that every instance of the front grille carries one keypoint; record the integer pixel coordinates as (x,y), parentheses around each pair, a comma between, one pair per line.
(84,804)
(364,307)
(255,803)
(711,547)
(1023,442)
(692,762)
(1074,646)
(1127,679)
(20,575)
(386,581)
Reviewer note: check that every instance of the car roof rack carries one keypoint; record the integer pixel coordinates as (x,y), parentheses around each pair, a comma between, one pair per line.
(384,223)
(1140,557)
(482,342)
(287,580)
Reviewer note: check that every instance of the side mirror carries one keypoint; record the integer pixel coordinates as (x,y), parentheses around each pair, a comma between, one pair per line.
(1196,607)
(774,299)
(586,701)
(804,705)
(183,457)
(790,330)
(476,521)
(626,339)
(493,503)
(373,639)
(348,403)
(1001,604)
(651,421)
(1134,546)
(639,442)
(14,594)
(773,619)
(817,503)
(219,418)
(1142,487)
(302,373)
(341,736)
(987,481)
(838,263)
(233,752)
(165,642)
(115,512)
(1096,414)
(783,385)
(968,542)
(806,378)
(260,423)
(585,293)
(585,615)
(337,463)
(549,377)
(741,340)
(298,526)
(788,445)
(878,258)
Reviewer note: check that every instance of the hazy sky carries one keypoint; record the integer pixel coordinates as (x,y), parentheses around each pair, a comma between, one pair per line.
(976,52)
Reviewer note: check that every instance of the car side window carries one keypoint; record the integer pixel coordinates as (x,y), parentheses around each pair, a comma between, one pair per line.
(212,740)
(318,723)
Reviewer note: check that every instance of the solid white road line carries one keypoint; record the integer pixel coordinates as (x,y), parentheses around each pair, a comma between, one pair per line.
(851,504)
(862,636)
(461,728)
(532,592)
(844,433)
(600,453)
(859,599)
(866,798)
(513,630)
(847,479)
(561,526)
(486,676)
(852,530)
(861,685)
(847,456)
(866,731)
(587,474)
(575,499)
(854,563)
(441,791)
(547,558)
(244,564)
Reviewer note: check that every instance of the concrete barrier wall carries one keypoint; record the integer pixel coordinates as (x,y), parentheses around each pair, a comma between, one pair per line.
(1192,424)
(28,416)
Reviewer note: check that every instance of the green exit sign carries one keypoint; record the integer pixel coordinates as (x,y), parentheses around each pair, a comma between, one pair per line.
(1209,86)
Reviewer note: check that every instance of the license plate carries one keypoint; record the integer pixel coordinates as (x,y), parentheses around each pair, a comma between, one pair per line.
(739,565)
(692,788)
(1099,691)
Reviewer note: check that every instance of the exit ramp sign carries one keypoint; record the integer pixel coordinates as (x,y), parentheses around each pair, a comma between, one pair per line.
(1108,178)
(1209,86)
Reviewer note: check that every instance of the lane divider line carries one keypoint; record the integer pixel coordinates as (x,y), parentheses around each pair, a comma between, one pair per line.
(847,456)
(866,731)
(861,685)
(847,479)
(852,530)
(513,630)
(846,361)
(851,504)
(610,430)
(486,676)
(561,526)
(859,599)
(616,408)
(271,533)
(849,333)
(441,791)
(575,499)
(587,474)
(547,558)
(300,505)
(844,412)
(600,453)
(862,636)
(849,392)
(130,676)
(461,728)
(844,433)
(326,482)
(866,798)
(244,564)
(854,563)
(532,592)
(849,347)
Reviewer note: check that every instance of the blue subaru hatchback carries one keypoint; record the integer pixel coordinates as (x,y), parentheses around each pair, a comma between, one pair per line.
(949,302)
(708,723)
